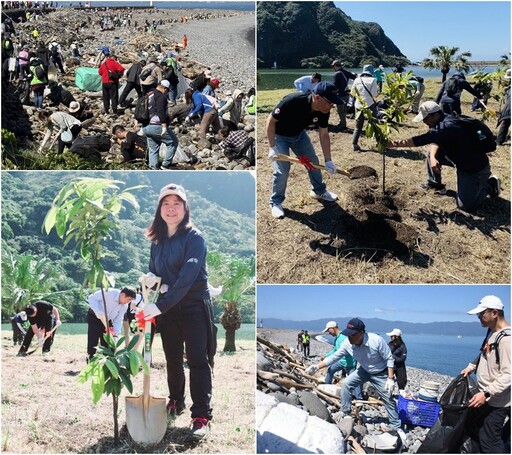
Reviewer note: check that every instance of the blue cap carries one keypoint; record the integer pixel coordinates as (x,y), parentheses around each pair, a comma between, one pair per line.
(328,90)
(354,326)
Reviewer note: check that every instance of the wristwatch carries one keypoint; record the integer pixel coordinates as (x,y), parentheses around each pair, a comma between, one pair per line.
(487,394)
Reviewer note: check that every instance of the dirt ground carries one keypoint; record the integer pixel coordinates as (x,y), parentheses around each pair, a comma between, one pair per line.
(45,410)
(410,235)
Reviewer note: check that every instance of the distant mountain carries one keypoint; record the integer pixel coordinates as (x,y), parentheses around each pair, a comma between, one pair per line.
(313,34)
(381,326)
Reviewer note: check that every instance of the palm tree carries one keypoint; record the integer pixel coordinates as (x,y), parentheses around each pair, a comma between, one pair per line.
(444,57)
(236,276)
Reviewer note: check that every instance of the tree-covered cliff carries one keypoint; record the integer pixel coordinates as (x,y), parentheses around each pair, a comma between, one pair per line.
(313,34)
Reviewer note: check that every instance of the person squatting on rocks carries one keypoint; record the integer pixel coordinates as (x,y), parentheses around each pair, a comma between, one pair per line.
(132,82)
(346,364)
(43,318)
(364,90)
(68,128)
(231,112)
(157,131)
(237,144)
(399,353)
(184,312)
(133,146)
(110,71)
(205,108)
(286,129)
(450,92)
(18,329)
(452,145)
(490,406)
(306,84)
(116,301)
(375,366)
(341,78)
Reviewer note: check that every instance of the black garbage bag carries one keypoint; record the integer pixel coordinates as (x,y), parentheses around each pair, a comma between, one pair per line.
(90,147)
(447,433)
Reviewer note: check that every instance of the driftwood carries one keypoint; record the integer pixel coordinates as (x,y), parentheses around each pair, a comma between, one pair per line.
(355,445)
(289,384)
(276,348)
(370,400)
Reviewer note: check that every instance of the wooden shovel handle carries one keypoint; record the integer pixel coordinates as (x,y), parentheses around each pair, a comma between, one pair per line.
(291,159)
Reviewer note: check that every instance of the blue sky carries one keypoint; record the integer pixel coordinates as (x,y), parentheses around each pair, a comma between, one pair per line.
(410,303)
(481,27)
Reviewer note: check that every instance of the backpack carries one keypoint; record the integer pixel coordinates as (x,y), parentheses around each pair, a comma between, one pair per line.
(40,73)
(494,346)
(146,73)
(141,112)
(480,132)
(199,83)
(8,46)
(54,49)
(451,87)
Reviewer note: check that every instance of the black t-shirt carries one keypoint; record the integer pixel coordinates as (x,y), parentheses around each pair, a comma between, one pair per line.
(134,147)
(455,143)
(294,115)
(43,317)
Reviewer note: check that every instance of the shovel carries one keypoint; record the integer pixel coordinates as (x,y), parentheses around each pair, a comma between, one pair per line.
(146,416)
(356,172)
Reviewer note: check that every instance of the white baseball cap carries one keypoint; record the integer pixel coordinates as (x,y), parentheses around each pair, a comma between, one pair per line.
(395,332)
(165,83)
(23,315)
(427,108)
(330,325)
(172,188)
(489,302)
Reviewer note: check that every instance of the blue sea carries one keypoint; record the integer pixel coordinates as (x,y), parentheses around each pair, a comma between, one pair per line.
(441,354)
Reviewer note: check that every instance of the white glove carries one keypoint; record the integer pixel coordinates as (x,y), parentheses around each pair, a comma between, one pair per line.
(149,279)
(40,340)
(164,288)
(214,291)
(272,151)
(150,311)
(330,167)
(311,370)
(164,131)
(390,385)
(57,323)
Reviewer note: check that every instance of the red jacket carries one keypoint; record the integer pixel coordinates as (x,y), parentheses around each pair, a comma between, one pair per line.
(112,66)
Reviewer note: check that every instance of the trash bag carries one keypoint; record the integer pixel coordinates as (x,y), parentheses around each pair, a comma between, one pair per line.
(90,147)
(447,433)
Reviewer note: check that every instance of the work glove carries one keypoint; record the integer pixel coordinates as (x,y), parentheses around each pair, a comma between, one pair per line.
(57,323)
(390,385)
(149,279)
(41,339)
(164,131)
(272,151)
(214,291)
(150,311)
(188,120)
(311,370)
(330,167)
(164,288)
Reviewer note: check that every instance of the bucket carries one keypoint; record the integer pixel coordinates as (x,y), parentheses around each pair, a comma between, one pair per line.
(429,391)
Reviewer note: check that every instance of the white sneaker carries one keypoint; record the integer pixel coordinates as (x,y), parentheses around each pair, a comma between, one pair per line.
(277,211)
(327,196)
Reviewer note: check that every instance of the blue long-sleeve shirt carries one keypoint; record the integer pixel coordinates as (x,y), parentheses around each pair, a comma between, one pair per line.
(181,263)
(347,360)
(201,104)
(373,355)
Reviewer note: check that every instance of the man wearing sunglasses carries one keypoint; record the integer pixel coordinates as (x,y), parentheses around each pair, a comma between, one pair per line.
(286,129)
(490,406)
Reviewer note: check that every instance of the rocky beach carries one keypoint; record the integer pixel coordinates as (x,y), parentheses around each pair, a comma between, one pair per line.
(373,418)
(219,40)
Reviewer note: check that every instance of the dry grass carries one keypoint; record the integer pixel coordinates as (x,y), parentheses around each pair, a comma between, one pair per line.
(330,242)
(45,410)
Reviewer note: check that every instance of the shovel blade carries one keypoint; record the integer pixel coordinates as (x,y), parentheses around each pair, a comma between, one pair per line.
(146,425)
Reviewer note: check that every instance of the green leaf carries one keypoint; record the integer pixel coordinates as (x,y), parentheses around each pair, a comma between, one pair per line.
(109,386)
(112,368)
(134,364)
(126,381)
(133,341)
(98,386)
(49,220)
(117,387)
(142,361)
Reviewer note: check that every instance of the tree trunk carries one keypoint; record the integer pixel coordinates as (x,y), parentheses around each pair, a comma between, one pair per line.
(229,345)
(115,399)
(445,71)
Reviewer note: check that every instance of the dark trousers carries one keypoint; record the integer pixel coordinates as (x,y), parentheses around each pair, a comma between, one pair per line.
(486,424)
(110,95)
(401,376)
(95,332)
(127,89)
(305,347)
(452,108)
(57,61)
(17,335)
(75,130)
(188,325)
(502,131)
(47,343)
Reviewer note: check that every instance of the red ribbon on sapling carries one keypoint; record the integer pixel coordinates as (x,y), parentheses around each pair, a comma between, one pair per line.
(305,161)
(139,317)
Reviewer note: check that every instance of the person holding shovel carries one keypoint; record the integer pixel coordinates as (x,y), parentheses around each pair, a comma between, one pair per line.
(286,129)
(44,319)
(184,310)
(116,301)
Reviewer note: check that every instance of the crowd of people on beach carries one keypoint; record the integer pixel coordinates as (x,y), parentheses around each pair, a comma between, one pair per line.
(41,67)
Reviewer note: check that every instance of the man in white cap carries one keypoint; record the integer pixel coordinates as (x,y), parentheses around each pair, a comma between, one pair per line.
(452,144)
(490,407)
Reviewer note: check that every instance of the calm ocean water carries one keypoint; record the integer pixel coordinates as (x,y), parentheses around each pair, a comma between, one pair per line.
(442,354)
(270,79)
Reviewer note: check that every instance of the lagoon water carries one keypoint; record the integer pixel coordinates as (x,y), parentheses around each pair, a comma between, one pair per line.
(442,354)
(274,79)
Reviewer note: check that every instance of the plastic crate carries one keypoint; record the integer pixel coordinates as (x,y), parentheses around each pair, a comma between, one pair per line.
(416,412)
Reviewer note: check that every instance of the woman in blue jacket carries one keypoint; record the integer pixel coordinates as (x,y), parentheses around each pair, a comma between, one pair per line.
(206,108)
(184,310)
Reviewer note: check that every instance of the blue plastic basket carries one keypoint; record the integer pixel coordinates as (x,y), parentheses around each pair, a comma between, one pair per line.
(416,412)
